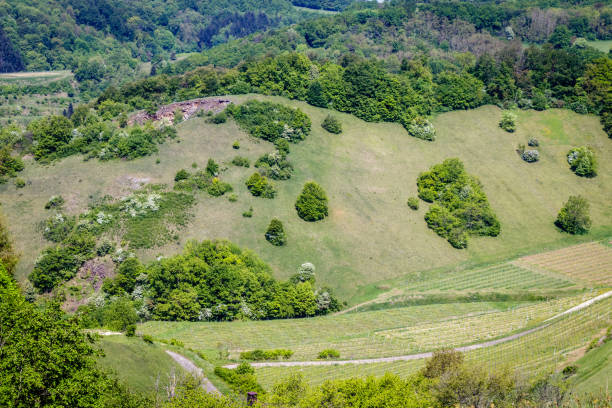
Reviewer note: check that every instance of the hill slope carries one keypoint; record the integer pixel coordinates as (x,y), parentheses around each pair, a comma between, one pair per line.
(368,172)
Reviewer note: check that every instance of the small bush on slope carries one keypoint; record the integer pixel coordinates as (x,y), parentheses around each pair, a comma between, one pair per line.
(582,161)
(574,216)
(332,124)
(275,234)
(460,206)
(311,205)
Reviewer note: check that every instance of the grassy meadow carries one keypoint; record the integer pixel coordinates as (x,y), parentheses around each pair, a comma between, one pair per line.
(368,172)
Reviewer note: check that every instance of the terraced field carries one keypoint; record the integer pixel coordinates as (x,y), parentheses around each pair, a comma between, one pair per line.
(538,352)
(503,276)
(369,334)
(590,263)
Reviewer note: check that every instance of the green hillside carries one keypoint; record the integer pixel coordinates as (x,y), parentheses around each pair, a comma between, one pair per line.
(368,172)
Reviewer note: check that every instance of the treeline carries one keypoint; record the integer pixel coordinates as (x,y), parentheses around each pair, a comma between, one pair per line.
(210,280)
(333,5)
(538,77)
(10,58)
(529,21)
(65,33)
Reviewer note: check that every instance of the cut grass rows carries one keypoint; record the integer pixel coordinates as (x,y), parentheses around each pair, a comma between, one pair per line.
(503,276)
(387,333)
(246,335)
(538,352)
(590,262)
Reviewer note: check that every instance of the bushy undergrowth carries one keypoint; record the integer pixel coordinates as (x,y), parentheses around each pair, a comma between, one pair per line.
(332,124)
(508,121)
(241,379)
(56,137)
(261,355)
(582,161)
(201,180)
(574,216)
(275,166)
(421,128)
(271,121)
(142,220)
(460,206)
(328,354)
(259,186)
(9,165)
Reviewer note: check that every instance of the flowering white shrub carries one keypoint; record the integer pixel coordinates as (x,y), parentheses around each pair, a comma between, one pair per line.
(421,128)
(530,156)
(141,204)
(103,218)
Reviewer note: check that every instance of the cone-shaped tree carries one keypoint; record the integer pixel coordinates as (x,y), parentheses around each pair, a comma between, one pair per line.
(276,233)
(311,205)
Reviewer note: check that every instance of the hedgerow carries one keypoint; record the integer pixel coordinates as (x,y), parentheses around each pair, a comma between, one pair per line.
(460,206)
(260,355)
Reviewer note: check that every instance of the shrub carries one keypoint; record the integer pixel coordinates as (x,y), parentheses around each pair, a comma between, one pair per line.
(508,121)
(332,124)
(147,339)
(311,205)
(241,379)
(460,206)
(413,203)
(9,165)
(58,227)
(530,156)
(574,216)
(20,183)
(178,116)
(219,118)
(328,354)
(212,168)
(105,248)
(249,213)
(55,202)
(236,145)
(130,331)
(260,355)
(282,145)
(241,161)
(533,142)
(442,362)
(232,198)
(218,188)
(421,128)
(582,161)
(259,186)
(275,165)
(271,121)
(275,234)
(182,174)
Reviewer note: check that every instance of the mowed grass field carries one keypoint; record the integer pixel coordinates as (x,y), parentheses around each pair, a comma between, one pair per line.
(595,370)
(368,172)
(138,364)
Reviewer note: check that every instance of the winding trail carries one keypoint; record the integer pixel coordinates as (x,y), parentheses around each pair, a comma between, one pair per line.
(190,367)
(420,356)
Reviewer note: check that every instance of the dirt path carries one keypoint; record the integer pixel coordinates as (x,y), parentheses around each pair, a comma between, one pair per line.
(420,356)
(194,370)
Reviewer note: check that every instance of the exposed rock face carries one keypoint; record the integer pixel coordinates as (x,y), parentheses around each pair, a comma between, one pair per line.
(189,108)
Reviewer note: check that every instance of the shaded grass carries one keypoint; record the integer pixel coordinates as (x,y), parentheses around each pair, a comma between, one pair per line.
(595,370)
(601,45)
(137,364)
